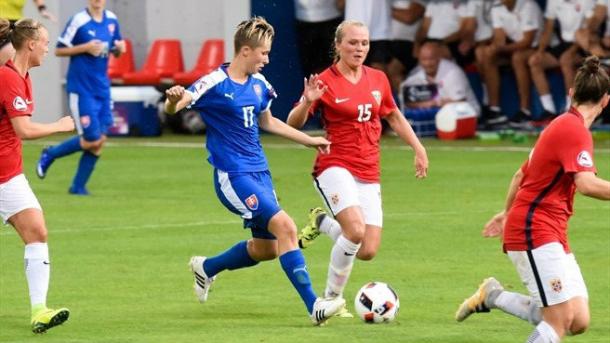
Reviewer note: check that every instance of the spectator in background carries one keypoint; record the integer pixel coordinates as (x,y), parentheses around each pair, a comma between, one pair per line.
(516,25)
(316,21)
(377,16)
(13,10)
(447,80)
(88,39)
(588,37)
(570,15)
(441,24)
(406,18)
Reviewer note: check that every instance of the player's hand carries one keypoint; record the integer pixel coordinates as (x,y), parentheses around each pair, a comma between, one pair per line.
(537,57)
(495,226)
(313,88)
(119,47)
(95,47)
(174,94)
(321,144)
(65,124)
(421,163)
(465,46)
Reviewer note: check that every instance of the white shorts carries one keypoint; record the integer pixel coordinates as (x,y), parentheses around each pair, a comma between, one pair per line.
(550,275)
(340,189)
(16,196)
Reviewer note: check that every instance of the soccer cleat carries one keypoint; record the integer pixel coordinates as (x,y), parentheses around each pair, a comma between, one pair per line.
(478,302)
(344,313)
(325,308)
(202,281)
(312,230)
(78,191)
(44,162)
(48,318)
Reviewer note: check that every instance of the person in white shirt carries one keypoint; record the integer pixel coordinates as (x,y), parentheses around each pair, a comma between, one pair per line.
(475,30)
(377,16)
(448,78)
(406,19)
(570,14)
(588,37)
(316,21)
(441,23)
(516,25)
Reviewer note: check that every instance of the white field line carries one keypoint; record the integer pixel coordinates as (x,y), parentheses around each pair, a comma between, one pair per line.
(8,230)
(187,145)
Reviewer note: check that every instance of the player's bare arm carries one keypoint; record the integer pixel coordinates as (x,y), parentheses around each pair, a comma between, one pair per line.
(273,125)
(587,183)
(495,226)
(401,126)
(313,89)
(27,129)
(177,99)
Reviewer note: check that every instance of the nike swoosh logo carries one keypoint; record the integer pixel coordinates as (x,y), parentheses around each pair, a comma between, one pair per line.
(338,101)
(45,262)
(28,102)
(346,254)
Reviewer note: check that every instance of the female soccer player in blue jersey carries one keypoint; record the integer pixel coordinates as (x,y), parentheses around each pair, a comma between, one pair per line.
(88,38)
(234,101)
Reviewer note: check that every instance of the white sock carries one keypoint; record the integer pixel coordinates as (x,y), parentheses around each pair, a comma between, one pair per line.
(485,95)
(519,305)
(331,227)
(342,258)
(543,333)
(37,271)
(547,103)
(568,103)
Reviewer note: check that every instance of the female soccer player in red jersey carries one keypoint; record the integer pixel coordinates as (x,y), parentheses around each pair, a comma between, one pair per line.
(352,99)
(18,204)
(535,222)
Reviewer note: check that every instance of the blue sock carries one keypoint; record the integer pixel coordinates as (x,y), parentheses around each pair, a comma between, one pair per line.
(236,257)
(85,168)
(67,147)
(294,266)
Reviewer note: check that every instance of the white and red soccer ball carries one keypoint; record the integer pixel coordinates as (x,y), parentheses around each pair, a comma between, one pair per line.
(376,302)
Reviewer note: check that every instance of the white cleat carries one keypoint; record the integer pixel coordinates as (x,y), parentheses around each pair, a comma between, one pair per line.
(325,308)
(202,281)
(478,302)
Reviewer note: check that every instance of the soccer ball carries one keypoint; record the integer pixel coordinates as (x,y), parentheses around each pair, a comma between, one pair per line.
(376,302)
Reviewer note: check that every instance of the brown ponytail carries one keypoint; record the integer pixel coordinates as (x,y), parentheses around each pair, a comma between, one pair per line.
(591,82)
(24,30)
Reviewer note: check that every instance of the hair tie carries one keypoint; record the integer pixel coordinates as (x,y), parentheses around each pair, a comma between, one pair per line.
(11,25)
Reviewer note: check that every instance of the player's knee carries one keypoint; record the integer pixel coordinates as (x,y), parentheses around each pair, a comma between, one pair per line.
(366,253)
(39,233)
(580,323)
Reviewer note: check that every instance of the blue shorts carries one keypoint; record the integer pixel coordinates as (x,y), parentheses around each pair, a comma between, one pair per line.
(251,196)
(92,115)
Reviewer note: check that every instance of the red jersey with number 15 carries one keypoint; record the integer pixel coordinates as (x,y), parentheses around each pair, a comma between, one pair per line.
(15,100)
(544,202)
(351,115)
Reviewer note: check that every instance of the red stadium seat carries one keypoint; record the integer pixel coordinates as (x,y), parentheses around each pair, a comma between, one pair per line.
(212,55)
(163,60)
(118,66)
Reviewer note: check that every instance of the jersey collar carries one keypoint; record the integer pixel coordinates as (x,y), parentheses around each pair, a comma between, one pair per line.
(575,112)
(11,66)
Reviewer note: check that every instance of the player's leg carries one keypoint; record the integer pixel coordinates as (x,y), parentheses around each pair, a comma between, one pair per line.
(538,64)
(369,196)
(92,141)
(568,61)
(24,213)
(520,67)
(70,145)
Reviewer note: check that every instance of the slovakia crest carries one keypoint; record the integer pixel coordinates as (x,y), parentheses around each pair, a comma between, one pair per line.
(111,28)
(258,90)
(19,104)
(556,285)
(377,95)
(85,121)
(584,159)
(252,202)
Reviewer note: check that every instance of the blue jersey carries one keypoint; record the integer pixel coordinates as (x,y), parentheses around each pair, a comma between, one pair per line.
(88,74)
(230,111)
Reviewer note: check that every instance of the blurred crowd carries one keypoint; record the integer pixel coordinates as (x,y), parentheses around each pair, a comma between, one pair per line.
(428,48)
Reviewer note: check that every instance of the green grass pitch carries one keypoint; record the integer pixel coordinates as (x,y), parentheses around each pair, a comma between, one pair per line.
(119,257)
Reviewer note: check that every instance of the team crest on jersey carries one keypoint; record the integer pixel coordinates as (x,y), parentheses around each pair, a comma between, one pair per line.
(556,285)
(111,28)
(252,202)
(258,90)
(584,159)
(377,95)
(334,198)
(19,104)
(85,121)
